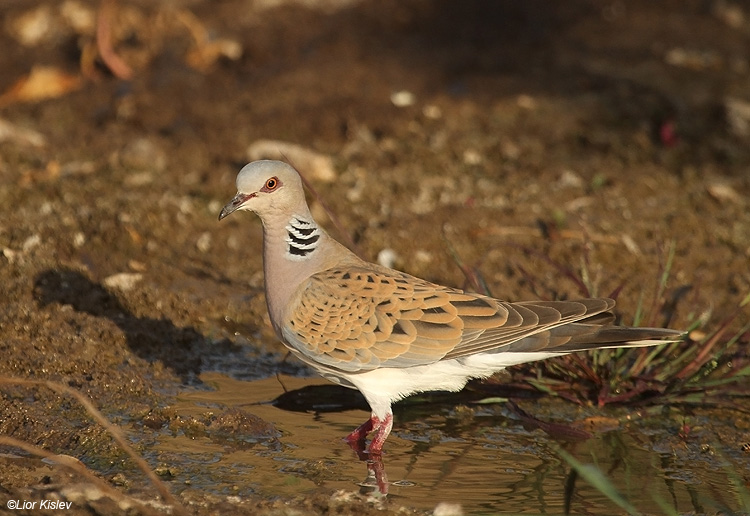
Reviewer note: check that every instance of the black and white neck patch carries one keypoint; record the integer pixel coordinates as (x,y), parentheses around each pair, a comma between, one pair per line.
(302,237)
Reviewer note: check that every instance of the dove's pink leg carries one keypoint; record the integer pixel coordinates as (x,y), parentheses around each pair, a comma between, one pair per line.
(376,469)
(360,433)
(382,429)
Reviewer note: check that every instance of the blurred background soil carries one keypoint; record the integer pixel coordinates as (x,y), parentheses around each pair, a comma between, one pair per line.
(595,134)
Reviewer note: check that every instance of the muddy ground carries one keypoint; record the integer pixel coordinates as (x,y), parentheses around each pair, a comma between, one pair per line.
(598,134)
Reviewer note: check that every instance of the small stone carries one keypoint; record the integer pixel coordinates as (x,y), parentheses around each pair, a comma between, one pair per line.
(472,157)
(432,112)
(729,13)
(166,471)
(526,102)
(20,135)
(448,509)
(738,115)
(139,178)
(79,239)
(10,255)
(123,280)
(387,258)
(33,26)
(204,242)
(630,244)
(569,179)
(423,256)
(403,98)
(137,266)
(31,243)
(723,192)
(692,59)
(80,17)
(119,479)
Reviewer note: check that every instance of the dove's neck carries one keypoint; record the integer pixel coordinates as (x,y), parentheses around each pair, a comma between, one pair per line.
(302,238)
(295,248)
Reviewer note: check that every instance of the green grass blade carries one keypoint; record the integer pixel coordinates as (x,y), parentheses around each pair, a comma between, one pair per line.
(599,481)
(665,506)
(638,317)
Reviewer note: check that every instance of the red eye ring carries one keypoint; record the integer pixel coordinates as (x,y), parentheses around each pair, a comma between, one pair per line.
(271,184)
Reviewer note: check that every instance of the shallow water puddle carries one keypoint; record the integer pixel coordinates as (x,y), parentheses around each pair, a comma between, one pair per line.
(485,460)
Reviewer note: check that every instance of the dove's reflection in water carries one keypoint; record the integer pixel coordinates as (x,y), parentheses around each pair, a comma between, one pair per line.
(489,457)
(376,481)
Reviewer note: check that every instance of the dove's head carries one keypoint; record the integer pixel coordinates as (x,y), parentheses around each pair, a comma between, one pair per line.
(266,187)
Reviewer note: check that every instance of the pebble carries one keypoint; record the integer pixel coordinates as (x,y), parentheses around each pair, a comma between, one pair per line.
(403,99)
(20,135)
(738,115)
(697,60)
(448,509)
(31,242)
(32,27)
(472,157)
(204,242)
(387,258)
(723,192)
(730,13)
(79,239)
(569,179)
(432,112)
(123,280)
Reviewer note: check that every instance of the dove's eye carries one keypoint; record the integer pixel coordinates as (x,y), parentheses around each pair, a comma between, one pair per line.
(271,184)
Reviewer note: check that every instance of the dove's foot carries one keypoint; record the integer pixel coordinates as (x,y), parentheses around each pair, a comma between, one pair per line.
(381,427)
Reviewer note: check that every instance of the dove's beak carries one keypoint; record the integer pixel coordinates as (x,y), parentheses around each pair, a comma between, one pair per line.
(235,204)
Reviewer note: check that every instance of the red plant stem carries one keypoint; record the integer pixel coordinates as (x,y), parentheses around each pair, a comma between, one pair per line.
(704,354)
(117,66)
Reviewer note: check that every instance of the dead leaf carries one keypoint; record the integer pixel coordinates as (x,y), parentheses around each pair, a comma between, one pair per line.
(43,82)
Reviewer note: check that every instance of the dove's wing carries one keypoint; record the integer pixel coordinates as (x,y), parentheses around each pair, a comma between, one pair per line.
(356,319)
